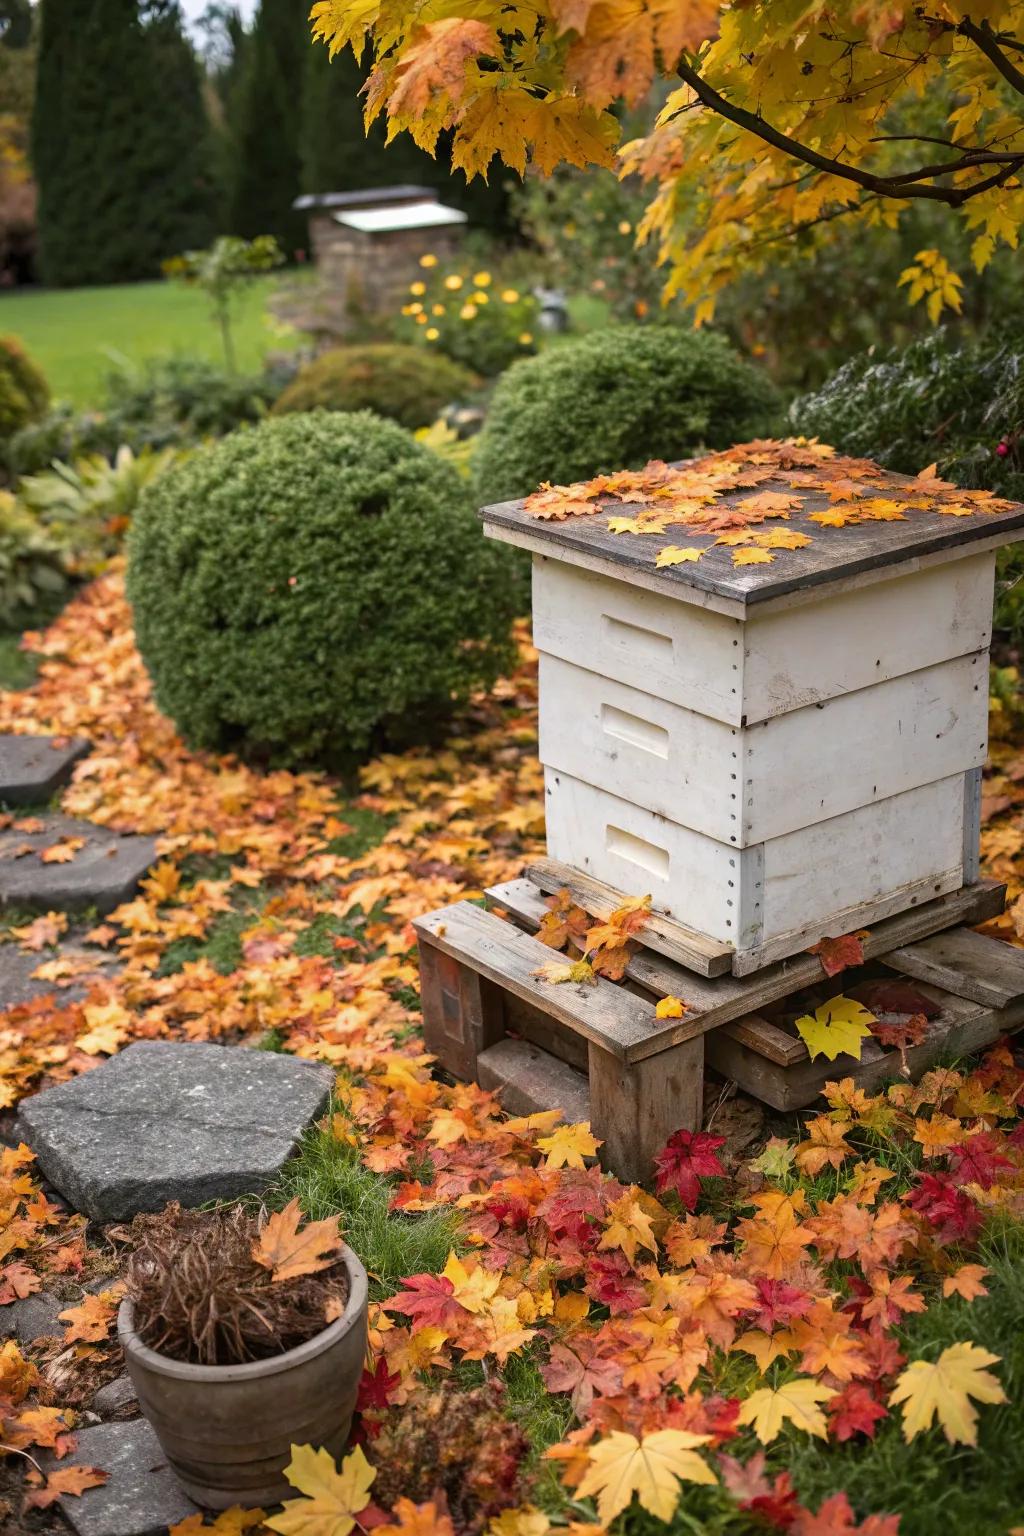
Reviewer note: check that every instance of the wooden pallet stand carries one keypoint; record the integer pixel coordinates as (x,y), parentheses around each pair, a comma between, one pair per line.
(599,1052)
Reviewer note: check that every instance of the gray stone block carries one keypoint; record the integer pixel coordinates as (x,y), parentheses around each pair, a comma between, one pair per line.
(33,1317)
(116,1398)
(17,984)
(141,1496)
(172,1121)
(104,872)
(32,768)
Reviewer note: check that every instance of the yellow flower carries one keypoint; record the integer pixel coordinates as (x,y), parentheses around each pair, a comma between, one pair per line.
(510,295)
(428,260)
(479,298)
(417,288)
(625,227)
(406,309)
(525,338)
(481,279)
(437,309)
(421,319)
(414,309)
(432,334)
(467,312)
(453,282)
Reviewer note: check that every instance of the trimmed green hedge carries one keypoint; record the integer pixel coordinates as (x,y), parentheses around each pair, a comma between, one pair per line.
(311,586)
(615,399)
(24,394)
(409,384)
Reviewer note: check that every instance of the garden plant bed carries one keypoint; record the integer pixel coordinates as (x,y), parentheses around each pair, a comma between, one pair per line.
(599,1051)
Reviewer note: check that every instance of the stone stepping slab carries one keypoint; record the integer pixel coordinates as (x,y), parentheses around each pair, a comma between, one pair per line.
(104,870)
(167,1120)
(18,985)
(141,1496)
(33,768)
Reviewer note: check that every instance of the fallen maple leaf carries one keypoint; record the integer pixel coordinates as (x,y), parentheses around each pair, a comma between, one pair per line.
(797,1401)
(651,1468)
(686,1158)
(749,555)
(287,1251)
(430,1519)
(837,954)
(90,1321)
(579,971)
(966,1282)
(943,1390)
(677,554)
(66,1480)
(567,1146)
(62,852)
(836,1518)
(333,1497)
(836,1028)
(670,1008)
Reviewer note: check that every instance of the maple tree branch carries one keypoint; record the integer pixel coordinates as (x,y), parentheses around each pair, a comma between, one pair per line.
(984,39)
(901,186)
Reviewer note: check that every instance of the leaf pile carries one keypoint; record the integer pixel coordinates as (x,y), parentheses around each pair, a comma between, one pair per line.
(795,478)
(216,1288)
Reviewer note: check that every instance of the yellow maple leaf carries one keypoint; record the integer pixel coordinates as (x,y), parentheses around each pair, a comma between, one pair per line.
(966,1282)
(834,518)
(752,556)
(652,1468)
(943,1390)
(555,971)
(567,1146)
(289,1250)
(629,1227)
(797,1401)
(836,1028)
(333,1497)
(677,554)
(473,1288)
(670,1008)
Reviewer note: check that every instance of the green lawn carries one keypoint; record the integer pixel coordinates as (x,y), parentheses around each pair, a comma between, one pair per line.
(77,334)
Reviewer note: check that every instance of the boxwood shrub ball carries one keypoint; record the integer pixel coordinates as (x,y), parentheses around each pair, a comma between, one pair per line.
(314,586)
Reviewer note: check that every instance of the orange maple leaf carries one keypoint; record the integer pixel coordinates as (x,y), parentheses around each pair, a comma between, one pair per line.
(90,1321)
(287,1251)
(66,1480)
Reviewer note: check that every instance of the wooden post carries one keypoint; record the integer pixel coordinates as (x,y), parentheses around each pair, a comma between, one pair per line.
(462,1011)
(635,1107)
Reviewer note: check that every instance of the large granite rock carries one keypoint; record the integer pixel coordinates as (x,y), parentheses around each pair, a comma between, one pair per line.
(32,768)
(104,871)
(172,1121)
(141,1496)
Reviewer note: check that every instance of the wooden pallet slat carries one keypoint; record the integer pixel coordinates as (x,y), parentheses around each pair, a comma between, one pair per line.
(969,964)
(662,934)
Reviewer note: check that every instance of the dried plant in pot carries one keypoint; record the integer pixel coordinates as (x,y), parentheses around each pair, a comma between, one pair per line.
(243,1335)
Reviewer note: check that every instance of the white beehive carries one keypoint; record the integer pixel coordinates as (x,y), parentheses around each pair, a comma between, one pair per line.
(776,752)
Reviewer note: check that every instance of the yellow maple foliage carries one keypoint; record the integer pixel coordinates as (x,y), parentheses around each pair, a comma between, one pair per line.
(837,1028)
(942,1390)
(797,1402)
(288,1249)
(650,1469)
(332,1497)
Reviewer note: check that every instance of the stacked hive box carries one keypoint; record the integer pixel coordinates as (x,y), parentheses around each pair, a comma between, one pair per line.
(776,751)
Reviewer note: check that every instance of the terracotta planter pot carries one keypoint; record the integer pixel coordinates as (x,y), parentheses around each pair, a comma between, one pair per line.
(228,1430)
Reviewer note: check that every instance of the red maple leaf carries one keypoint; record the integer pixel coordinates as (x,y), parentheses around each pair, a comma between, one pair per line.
(584,1370)
(979,1160)
(855,1411)
(376,1386)
(838,954)
(779,1304)
(611,1282)
(688,1157)
(952,1214)
(430,1299)
(772,1502)
(883,1354)
(836,1518)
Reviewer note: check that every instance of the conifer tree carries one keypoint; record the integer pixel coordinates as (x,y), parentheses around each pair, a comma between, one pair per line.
(266,174)
(120,141)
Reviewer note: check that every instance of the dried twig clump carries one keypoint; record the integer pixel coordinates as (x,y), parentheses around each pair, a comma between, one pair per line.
(203,1291)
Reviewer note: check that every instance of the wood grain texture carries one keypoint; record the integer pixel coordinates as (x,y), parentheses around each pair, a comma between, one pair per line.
(497,951)
(635,1107)
(719,1000)
(661,934)
(969,964)
(462,1012)
(834,554)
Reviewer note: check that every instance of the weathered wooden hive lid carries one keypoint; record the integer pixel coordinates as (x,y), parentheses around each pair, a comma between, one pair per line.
(761,521)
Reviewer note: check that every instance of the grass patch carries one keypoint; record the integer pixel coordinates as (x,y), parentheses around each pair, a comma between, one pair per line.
(17,668)
(74,334)
(545,1418)
(329,1180)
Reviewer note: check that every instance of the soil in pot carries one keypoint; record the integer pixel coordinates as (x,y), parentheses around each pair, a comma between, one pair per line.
(243,1338)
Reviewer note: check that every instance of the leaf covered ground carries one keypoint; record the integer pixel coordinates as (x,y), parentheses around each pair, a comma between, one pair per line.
(826,1338)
